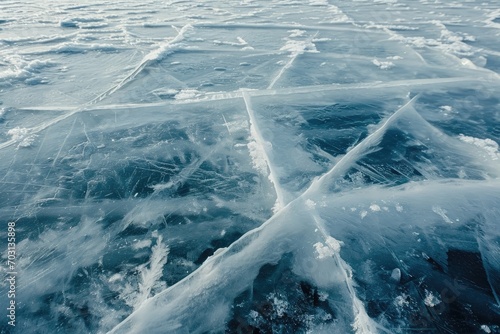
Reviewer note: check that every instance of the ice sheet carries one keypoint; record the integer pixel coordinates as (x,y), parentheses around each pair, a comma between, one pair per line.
(246,166)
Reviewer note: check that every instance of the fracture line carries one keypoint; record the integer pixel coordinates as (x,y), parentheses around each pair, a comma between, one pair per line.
(353,155)
(293,56)
(257,136)
(219,96)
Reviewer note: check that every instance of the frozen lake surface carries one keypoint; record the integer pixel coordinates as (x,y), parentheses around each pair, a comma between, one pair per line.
(276,166)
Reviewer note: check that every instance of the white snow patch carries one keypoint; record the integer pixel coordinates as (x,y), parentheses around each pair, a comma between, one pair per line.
(165,92)
(310,204)
(363,214)
(280,306)
(402,300)
(299,47)
(322,250)
(446,108)
(22,136)
(186,94)
(431,300)
(21,70)
(394,58)
(168,47)
(258,155)
(384,65)
(488,145)
(332,246)
(322,296)
(449,42)
(242,41)
(375,208)
(322,39)
(296,32)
